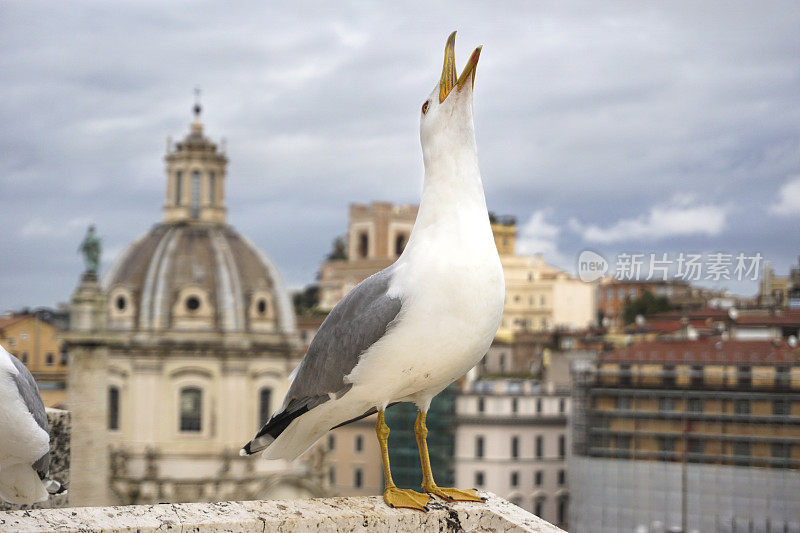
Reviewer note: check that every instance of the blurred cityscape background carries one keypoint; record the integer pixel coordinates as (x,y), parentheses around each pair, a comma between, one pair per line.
(643,171)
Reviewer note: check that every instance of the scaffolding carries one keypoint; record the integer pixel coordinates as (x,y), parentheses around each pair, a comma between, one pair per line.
(704,445)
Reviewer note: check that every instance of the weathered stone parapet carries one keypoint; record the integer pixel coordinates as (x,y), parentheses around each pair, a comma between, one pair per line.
(60,429)
(322,514)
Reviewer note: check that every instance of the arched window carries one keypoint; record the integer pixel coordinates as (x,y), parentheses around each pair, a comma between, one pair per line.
(178,187)
(265,409)
(195,194)
(538,505)
(113,407)
(191,402)
(399,244)
(212,187)
(563,507)
(363,245)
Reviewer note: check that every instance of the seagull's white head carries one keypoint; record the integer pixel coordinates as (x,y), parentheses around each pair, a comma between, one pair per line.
(446,128)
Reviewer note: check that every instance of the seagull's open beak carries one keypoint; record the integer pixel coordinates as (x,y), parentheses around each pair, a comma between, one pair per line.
(449,80)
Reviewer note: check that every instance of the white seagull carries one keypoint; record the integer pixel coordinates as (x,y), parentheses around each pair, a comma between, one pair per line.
(24,437)
(405,333)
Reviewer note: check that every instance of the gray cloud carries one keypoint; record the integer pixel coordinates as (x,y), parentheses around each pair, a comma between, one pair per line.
(593,112)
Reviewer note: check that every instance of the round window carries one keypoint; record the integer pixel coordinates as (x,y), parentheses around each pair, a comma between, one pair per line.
(262,306)
(192,303)
(121,303)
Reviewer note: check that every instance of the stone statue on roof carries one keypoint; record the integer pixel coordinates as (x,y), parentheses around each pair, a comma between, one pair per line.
(91,248)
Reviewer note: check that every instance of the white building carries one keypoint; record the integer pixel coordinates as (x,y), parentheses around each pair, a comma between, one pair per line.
(511,439)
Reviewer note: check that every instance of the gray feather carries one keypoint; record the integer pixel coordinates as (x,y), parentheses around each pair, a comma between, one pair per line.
(29,392)
(355,323)
(358,321)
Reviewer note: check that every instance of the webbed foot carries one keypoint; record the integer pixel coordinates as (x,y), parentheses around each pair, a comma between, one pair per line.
(455,495)
(410,499)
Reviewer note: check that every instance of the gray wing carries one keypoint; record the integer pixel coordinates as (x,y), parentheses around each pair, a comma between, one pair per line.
(30,395)
(355,323)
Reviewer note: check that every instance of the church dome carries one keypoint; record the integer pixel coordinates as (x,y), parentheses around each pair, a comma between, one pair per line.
(193,272)
(184,276)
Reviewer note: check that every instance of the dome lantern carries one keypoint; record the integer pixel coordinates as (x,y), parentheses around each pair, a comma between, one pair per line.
(195,178)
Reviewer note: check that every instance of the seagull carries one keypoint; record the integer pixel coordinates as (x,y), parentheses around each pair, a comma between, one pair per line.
(24,437)
(405,333)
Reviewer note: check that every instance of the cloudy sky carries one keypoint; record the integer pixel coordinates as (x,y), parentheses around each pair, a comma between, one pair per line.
(617,127)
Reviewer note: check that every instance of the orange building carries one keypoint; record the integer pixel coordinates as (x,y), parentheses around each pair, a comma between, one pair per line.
(34,342)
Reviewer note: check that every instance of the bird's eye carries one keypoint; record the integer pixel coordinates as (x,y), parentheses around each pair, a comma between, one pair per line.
(425,107)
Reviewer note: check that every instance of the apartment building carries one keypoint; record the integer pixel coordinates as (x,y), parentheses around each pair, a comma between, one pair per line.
(694,435)
(511,439)
(354,459)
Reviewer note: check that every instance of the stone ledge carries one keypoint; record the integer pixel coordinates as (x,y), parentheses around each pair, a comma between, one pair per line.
(322,514)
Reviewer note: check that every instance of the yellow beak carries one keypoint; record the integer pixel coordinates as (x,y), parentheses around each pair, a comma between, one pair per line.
(449,79)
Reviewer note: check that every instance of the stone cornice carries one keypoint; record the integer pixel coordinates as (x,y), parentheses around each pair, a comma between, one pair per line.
(328,514)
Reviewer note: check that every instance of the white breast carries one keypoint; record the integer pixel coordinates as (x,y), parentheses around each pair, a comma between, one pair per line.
(452,303)
(21,438)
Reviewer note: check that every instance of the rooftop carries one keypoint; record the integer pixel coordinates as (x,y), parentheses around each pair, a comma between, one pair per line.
(706,351)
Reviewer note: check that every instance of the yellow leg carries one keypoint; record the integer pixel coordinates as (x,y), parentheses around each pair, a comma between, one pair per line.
(392,495)
(428,484)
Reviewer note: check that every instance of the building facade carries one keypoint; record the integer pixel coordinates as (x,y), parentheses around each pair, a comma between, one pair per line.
(541,297)
(354,459)
(511,439)
(35,342)
(698,435)
(376,236)
(181,354)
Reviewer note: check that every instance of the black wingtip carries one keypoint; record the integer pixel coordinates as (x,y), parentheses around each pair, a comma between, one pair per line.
(54,488)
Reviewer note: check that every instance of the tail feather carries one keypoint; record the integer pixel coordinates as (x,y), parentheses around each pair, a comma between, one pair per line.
(53,487)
